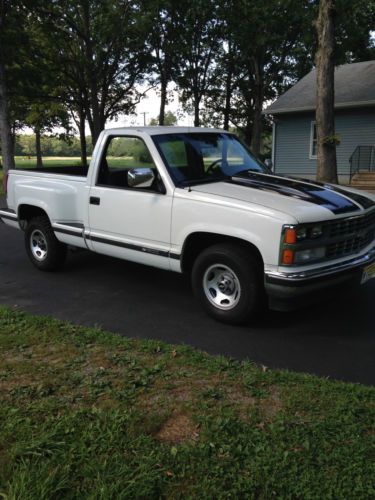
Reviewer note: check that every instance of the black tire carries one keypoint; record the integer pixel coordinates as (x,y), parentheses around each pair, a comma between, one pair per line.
(228,281)
(44,250)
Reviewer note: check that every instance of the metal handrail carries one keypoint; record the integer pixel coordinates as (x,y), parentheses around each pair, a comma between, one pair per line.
(362,159)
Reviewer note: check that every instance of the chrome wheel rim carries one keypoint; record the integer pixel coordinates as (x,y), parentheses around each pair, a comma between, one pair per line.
(221,287)
(38,245)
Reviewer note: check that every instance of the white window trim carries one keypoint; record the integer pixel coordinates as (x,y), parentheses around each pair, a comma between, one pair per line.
(311,156)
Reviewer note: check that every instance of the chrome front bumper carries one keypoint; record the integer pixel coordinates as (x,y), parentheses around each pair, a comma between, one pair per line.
(291,290)
(321,272)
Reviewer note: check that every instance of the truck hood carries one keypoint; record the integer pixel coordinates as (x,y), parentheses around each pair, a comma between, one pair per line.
(306,201)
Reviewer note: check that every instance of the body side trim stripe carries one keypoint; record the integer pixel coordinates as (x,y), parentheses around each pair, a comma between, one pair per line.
(137,248)
(67,231)
(129,246)
(15,219)
(7,213)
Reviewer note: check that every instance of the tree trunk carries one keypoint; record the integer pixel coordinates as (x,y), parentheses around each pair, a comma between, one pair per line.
(93,101)
(256,139)
(163,100)
(82,137)
(228,97)
(7,151)
(196,110)
(325,115)
(256,136)
(228,87)
(248,132)
(38,148)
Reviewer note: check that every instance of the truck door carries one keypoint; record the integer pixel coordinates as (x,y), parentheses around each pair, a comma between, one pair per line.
(127,221)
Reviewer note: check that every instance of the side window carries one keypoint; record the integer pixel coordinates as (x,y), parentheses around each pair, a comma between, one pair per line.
(121,155)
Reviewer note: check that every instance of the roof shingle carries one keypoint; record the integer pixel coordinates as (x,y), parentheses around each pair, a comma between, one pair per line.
(354,87)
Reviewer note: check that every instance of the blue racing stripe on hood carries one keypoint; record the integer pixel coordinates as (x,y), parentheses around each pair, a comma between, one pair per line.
(322,195)
(358,198)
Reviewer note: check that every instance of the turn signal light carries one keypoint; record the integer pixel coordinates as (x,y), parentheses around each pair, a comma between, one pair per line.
(290,236)
(288,257)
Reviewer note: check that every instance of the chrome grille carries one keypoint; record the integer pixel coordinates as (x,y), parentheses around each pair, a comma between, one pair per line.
(352,235)
(352,225)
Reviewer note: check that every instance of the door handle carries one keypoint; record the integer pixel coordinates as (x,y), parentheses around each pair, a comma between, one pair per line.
(94,200)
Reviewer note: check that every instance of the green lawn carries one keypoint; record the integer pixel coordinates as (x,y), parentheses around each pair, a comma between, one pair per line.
(26,162)
(88,414)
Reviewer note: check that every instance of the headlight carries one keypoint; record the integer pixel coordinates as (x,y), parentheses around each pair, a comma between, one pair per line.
(301,233)
(309,255)
(315,231)
(295,244)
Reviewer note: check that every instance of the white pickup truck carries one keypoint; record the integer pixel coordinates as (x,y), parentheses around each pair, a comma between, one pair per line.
(194,200)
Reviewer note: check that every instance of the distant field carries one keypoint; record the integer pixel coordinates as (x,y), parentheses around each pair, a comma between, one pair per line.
(48,161)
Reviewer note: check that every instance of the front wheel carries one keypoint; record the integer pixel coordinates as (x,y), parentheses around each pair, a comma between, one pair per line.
(42,247)
(227,280)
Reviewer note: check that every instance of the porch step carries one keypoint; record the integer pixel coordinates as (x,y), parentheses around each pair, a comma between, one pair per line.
(364,180)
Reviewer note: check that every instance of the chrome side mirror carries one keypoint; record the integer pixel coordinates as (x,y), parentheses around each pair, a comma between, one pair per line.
(141,177)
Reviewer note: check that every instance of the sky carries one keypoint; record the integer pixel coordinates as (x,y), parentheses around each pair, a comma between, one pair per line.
(150,105)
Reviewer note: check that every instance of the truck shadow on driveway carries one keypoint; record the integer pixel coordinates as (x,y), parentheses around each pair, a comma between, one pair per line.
(348,311)
(334,339)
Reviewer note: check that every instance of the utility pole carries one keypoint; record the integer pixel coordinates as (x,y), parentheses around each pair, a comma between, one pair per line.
(144,113)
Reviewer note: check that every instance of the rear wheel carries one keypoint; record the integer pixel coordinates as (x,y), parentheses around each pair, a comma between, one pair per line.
(42,247)
(227,280)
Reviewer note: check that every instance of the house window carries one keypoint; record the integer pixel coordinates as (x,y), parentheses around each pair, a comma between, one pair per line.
(313,141)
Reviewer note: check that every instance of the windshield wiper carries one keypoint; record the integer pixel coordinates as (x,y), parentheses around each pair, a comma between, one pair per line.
(196,182)
(249,170)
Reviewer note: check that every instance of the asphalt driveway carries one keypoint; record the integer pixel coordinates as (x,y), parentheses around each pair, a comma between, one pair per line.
(335,339)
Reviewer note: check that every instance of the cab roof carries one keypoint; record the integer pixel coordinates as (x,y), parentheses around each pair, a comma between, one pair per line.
(158,130)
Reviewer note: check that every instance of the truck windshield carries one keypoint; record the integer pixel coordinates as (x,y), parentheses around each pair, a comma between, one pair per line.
(196,158)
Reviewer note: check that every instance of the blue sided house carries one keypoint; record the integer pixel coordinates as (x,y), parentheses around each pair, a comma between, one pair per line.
(294,129)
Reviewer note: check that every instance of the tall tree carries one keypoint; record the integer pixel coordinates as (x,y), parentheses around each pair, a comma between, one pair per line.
(264,42)
(200,38)
(163,40)
(268,36)
(325,74)
(99,49)
(43,117)
(5,128)
(227,68)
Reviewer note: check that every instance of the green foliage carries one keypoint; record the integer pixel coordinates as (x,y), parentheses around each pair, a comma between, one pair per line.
(51,146)
(332,140)
(169,119)
(354,23)
(86,60)
(128,147)
(98,49)
(89,414)
(200,38)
